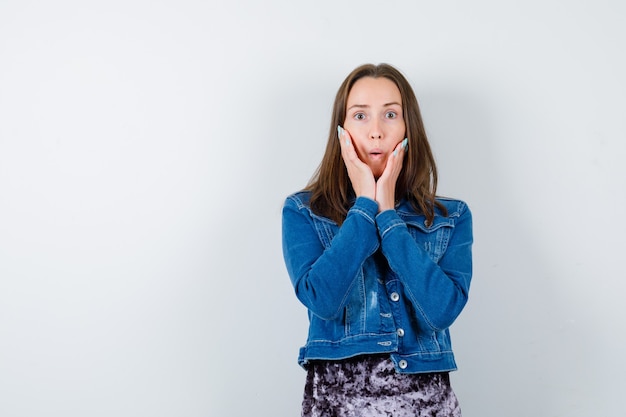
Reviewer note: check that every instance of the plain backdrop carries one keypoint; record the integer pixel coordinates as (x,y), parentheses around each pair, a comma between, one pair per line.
(146,148)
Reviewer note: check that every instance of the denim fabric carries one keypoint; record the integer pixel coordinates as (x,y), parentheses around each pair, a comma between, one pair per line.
(380,283)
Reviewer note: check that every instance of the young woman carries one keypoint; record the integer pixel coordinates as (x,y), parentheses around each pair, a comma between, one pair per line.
(381,263)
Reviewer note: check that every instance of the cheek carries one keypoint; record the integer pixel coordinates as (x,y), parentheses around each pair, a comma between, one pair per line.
(348,125)
(355,133)
(401,129)
(358,146)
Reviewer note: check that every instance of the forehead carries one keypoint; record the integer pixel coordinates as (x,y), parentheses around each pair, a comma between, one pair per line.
(370,90)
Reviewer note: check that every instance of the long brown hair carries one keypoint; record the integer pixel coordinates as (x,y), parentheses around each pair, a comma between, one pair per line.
(330,186)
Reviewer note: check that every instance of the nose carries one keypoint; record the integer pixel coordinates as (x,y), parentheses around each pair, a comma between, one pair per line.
(375,131)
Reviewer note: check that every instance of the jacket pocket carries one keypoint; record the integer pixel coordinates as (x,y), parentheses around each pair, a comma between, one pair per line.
(434,238)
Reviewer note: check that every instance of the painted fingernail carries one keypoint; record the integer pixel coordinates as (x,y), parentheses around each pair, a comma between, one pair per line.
(395,152)
(405,143)
(339,130)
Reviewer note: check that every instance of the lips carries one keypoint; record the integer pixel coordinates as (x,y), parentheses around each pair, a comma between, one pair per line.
(376,153)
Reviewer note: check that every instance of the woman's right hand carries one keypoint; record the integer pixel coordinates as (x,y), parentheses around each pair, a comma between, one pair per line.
(359,172)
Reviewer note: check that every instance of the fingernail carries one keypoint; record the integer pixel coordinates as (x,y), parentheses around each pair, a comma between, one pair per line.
(405,143)
(395,152)
(339,130)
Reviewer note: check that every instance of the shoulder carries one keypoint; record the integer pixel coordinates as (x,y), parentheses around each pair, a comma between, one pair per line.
(457,211)
(297,209)
(299,199)
(455,208)
(300,202)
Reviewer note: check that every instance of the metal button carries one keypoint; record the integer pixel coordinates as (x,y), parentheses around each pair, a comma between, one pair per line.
(395,296)
(403,364)
(400,332)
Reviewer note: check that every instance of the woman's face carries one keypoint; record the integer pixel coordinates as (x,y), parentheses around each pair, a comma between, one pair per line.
(375,121)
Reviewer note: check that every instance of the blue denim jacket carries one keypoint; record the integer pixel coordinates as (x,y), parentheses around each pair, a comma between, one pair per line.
(380,283)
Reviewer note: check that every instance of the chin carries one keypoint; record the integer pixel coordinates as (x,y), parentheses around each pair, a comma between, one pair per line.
(378,171)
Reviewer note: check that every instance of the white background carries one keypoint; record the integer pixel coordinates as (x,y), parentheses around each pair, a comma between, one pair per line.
(146,148)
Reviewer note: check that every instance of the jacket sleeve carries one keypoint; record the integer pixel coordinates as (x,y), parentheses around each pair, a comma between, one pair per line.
(323,277)
(437,291)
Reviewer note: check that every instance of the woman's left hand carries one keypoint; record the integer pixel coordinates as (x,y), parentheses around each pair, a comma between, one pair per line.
(386,184)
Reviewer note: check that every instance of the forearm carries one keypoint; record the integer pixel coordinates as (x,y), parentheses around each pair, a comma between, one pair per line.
(323,274)
(437,291)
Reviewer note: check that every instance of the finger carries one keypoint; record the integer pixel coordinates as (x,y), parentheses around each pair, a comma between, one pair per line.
(401,147)
(344,136)
(348,151)
(394,164)
(398,153)
(401,152)
(344,140)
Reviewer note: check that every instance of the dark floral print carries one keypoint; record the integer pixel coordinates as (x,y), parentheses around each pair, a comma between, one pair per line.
(369,386)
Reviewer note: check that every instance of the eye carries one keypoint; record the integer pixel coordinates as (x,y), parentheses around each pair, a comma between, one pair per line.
(391,115)
(359,116)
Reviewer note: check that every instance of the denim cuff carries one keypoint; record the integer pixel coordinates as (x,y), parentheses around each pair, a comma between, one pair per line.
(366,207)
(387,221)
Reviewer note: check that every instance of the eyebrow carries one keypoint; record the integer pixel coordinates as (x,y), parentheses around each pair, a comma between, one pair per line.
(365,106)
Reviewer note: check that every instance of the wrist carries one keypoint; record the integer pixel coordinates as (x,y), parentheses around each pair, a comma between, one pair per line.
(385,202)
(366,191)
(385,207)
